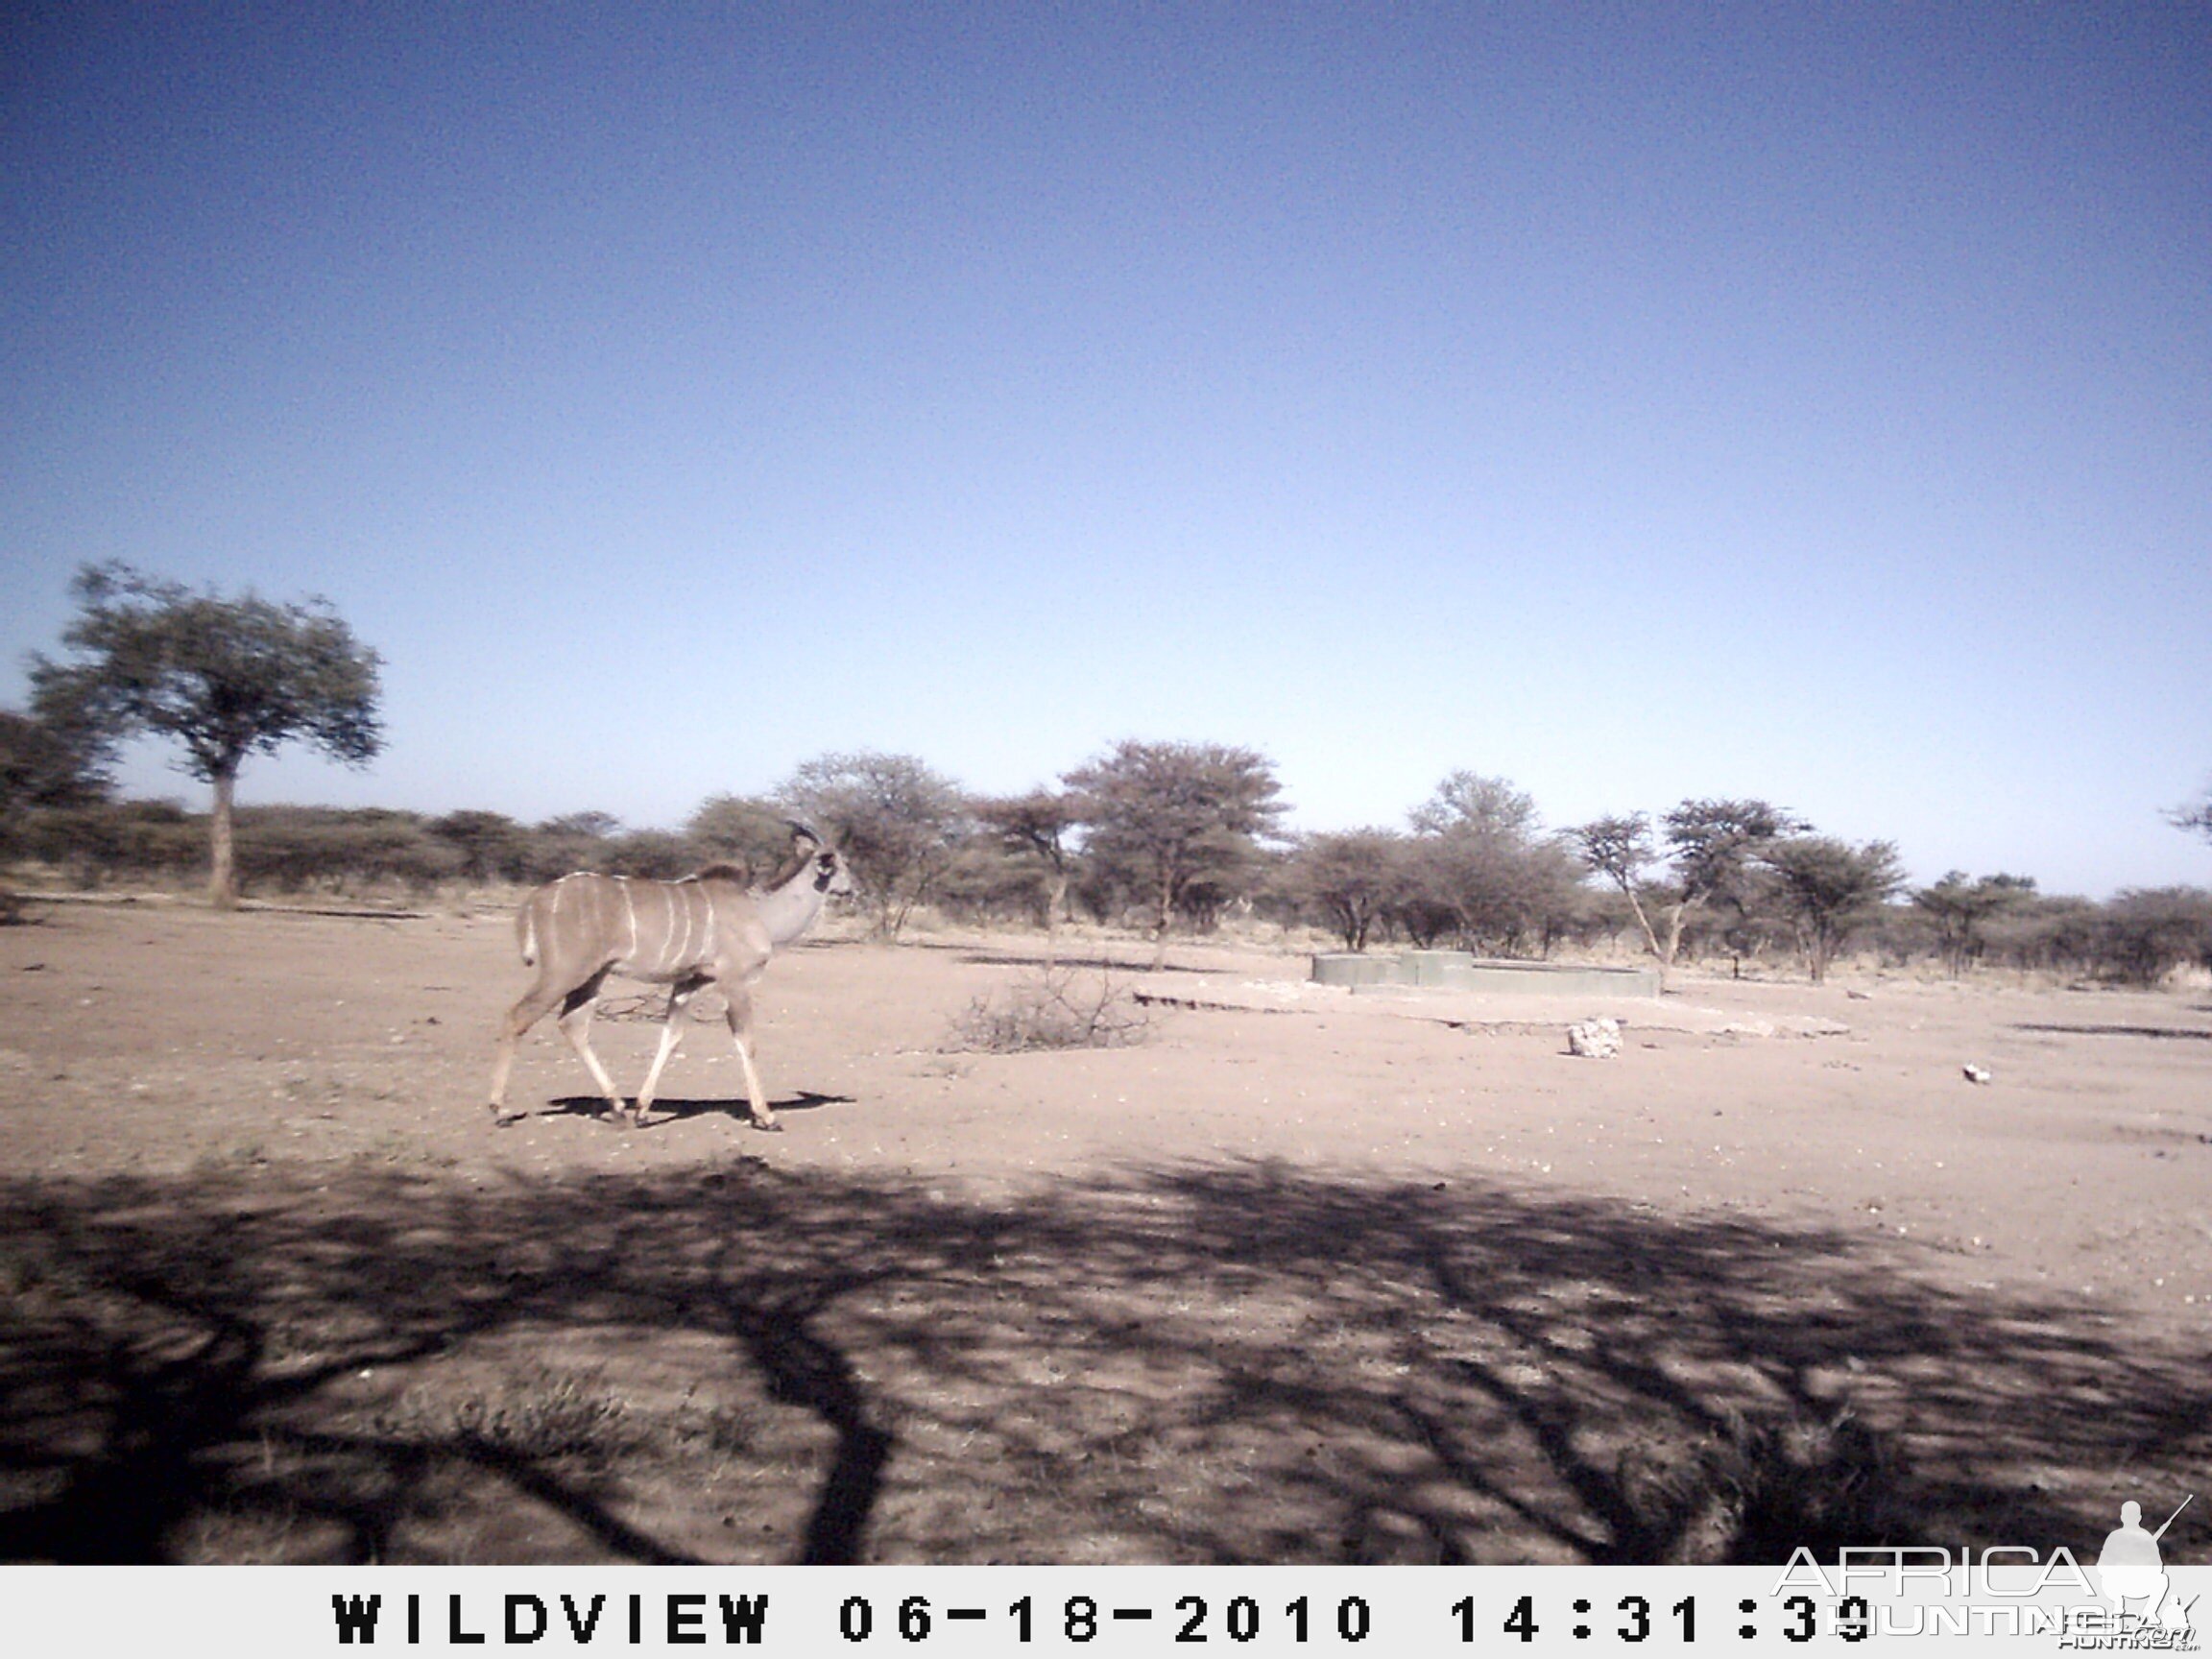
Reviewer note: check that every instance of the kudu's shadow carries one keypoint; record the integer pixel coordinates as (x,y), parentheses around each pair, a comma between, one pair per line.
(669,1110)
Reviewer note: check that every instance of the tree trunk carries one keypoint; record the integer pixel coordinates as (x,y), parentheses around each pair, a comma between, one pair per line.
(1055,900)
(1663,955)
(1160,924)
(1677,915)
(222,870)
(1818,948)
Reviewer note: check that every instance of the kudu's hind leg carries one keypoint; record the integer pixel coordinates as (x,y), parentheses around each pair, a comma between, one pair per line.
(576,1025)
(535,1004)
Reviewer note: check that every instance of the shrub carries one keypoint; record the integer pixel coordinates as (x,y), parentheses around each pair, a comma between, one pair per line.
(2054,935)
(574,841)
(491,847)
(655,855)
(2146,933)
(1055,1008)
(96,843)
(295,849)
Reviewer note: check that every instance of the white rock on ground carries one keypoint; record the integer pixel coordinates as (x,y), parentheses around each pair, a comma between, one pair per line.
(1595,1039)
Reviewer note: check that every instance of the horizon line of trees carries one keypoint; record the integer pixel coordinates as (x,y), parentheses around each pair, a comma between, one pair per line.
(1718,882)
(1156,834)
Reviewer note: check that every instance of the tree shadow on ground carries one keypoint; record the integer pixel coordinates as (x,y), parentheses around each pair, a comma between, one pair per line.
(1215,1364)
(2175,1033)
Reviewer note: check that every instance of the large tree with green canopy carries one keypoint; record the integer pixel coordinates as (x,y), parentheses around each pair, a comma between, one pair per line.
(224,678)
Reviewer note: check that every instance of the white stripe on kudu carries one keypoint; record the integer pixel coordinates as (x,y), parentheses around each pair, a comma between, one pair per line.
(706,929)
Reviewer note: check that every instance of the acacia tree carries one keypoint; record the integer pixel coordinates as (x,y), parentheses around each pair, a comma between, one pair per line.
(43,766)
(42,771)
(1039,825)
(1169,815)
(1715,847)
(1353,877)
(1620,849)
(898,823)
(1959,908)
(1469,800)
(2196,817)
(1829,887)
(490,845)
(1711,845)
(1481,865)
(744,830)
(225,678)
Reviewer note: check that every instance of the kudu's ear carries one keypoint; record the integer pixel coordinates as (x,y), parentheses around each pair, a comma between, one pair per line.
(803,831)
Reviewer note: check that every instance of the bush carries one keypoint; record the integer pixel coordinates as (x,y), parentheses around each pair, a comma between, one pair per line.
(656,854)
(1055,1008)
(491,847)
(560,845)
(98,844)
(985,883)
(298,849)
(2051,935)
(2146,933)
(1493,894)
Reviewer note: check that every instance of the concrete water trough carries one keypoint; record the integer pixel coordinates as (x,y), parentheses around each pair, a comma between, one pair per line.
(1459,971)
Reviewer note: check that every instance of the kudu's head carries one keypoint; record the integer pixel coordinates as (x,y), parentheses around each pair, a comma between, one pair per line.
(828,869)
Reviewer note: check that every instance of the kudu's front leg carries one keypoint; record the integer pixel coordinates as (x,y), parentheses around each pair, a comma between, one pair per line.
(671,1034)
(740,1018)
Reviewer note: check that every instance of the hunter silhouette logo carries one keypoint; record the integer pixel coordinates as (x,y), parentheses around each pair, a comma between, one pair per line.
(2126,1602)
(2130,1568)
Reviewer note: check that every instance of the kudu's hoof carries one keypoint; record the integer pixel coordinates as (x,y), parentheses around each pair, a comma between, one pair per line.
(768,1128)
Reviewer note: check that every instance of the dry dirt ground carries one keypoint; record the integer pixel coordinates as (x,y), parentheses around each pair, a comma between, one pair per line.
(1301,1276)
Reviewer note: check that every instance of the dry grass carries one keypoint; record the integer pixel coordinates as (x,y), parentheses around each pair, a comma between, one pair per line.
(546,1413)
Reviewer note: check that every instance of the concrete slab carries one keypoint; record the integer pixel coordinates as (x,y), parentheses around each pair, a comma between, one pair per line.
(1458,971)
(1447,1005)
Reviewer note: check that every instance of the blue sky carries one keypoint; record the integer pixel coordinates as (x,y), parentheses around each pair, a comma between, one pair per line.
(1637,402)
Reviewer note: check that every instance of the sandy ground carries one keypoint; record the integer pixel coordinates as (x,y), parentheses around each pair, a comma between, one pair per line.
(1302,1276)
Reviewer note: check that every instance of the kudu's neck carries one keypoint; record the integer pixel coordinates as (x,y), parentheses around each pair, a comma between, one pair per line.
(789,910)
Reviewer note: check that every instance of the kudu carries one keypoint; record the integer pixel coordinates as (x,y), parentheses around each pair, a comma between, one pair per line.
(706,929)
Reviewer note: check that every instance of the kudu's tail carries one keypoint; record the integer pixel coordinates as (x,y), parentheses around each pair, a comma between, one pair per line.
(526,931)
